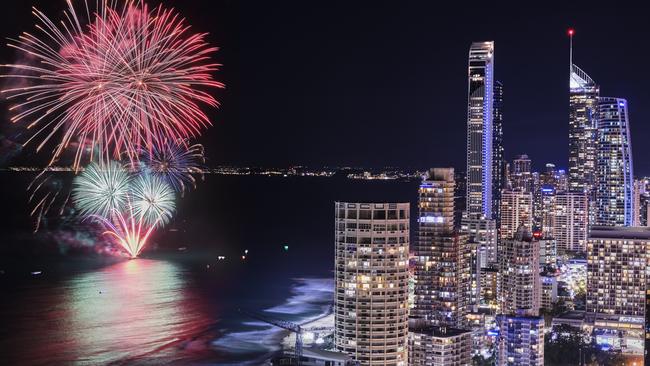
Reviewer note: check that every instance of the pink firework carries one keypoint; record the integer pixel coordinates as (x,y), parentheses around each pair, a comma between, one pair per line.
(125,80)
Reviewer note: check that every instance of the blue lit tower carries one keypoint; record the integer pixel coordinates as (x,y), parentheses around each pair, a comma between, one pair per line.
(583,116)
(480,128)
(614,173)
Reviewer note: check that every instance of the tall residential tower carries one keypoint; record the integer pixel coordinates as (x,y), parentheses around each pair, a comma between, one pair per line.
(614,173)
(480,115)
(441,271)
(498,161)
(371,276)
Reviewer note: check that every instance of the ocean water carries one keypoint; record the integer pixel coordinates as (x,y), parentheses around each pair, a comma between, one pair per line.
(67,301)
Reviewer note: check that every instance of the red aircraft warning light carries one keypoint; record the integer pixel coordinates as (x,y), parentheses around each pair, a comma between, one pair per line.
(570,31)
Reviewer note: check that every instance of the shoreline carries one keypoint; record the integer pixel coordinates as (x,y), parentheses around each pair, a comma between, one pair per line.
(285,340)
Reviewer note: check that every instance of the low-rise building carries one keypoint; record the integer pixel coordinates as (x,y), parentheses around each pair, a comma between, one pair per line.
(520,341)
(438,346)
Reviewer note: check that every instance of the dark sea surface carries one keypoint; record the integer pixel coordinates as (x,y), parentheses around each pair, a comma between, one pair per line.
(177,303)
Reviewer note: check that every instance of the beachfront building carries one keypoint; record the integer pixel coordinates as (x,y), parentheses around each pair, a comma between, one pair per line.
(371,276)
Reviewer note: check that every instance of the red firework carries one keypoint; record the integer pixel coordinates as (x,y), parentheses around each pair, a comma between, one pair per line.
(127,79)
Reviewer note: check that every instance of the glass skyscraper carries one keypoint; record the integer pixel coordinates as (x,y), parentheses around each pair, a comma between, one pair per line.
(583,115)
(480,114)
(614,173)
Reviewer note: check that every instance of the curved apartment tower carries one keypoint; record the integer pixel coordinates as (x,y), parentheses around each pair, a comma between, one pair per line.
(371,275)
(614,172)
(480,114)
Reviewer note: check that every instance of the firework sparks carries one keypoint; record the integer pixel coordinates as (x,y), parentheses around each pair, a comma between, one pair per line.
(128,230)
(129,208)
(121,81)
(47,192)
(176,163)
(100,191)
(152,200)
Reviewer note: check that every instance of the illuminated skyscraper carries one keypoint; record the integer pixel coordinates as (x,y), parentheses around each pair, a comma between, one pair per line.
(583,116)
(442,255)
(641,202)
(371,275)
(480,114)
(498,161)
(571,222)
(520,340)
(482,239)
(614,173)
(546,211)
(521,176)
(519,292)
(516,210)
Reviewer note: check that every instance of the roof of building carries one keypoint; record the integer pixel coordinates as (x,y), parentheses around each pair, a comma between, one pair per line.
(610,232)
(572,314)
(323,354)
(436,331)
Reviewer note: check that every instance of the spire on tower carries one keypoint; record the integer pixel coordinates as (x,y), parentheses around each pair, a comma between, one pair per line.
(570,32)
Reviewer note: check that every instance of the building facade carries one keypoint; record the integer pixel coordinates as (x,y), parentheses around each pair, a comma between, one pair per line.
(544,208)
(571,225)
(583,122)
(516,210)
(482,242)
(371,277)
(521,176)
(498,158)
(614,172)
(442,255)
(480,116)
(519,290)
(520,341)
(439,346)
(616,283)
(548,293)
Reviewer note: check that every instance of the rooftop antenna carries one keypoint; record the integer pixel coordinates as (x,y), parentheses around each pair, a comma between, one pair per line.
(570,32)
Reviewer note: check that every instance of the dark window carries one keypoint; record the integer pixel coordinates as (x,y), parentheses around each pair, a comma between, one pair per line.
(379,215)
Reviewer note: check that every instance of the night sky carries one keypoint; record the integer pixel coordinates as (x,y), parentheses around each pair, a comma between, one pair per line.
(384,83)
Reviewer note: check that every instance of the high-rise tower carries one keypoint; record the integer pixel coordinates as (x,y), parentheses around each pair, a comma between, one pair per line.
(480,115)
(521,331)
(516,210)
(583,116)
(519,269)
(614,174)
(371,276)
(498,162)
(522,176)
(441,271)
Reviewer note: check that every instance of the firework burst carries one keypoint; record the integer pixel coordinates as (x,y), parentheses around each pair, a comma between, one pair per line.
(152,200)
(112,82)
(177,163)
(130,208)
(100,191)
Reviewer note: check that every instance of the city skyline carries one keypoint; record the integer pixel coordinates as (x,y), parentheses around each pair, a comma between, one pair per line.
(160,201)
(418,99)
